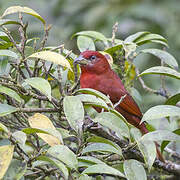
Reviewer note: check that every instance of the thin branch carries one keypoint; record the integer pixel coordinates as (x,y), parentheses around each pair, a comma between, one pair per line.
(58,47)
(133,153)
(46,33)
(20,151)
(144,86)
(22,90)
(114,30)
(59,72)
(11,38)
(40,110)
(172,153)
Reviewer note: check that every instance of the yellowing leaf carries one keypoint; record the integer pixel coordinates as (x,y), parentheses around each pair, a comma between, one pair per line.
(52,57)
(108,57)
(43,122)
(6,153)
(26,10)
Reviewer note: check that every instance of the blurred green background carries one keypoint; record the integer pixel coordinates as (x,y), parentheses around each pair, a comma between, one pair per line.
(70,16)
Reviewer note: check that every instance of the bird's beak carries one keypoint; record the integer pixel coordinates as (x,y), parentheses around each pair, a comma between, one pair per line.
(81,60)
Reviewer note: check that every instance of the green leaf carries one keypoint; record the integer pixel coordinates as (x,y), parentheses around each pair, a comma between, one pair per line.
(84,177)
(85,43)
(117,41)
(64,154)
(4,128)
(74,111)
(64,133)
(135,94)
(148,38)
(91,112)
(102,169)
(4,36)
(20,137)
(147,148)
(5,45)
(99,139)
(134,170)
(165,143)
(6,109)
(8,53)
(16,170)
(52,57)
(92,34)
(26,10)
(173,100)
(115,48)
(90,159)
(136,134)
(113,122)
(160,135)
(160,111)
(10,93)
(96,93)
(34,130)
(159,42)
(134,37)
(4,66)
(41,85)
(164,56)
(161,71)
(56,163)
(84,164)
(8,21)
(39,163)
(92,100)
(101,147)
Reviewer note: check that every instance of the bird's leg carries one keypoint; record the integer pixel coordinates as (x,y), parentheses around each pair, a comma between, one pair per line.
(120,100)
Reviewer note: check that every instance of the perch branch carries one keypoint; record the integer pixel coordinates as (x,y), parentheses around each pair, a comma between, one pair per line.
(168,167)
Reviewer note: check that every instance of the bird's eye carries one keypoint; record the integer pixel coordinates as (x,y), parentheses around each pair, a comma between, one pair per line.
(93,57)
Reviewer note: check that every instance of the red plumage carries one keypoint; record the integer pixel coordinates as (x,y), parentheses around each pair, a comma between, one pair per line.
(97,74)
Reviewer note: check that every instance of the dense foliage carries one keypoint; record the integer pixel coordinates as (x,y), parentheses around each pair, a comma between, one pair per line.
(48,126)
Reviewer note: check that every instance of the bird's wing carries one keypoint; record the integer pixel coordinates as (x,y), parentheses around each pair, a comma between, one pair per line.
(113,87)
(125,101)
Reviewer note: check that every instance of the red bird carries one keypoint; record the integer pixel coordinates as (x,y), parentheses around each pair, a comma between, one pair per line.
(97,74)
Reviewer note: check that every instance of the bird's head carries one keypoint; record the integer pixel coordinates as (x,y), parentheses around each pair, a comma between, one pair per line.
(92,61)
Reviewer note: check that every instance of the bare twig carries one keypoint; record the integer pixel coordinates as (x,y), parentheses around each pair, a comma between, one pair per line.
(58,47)
(59,72)
(46,33)
(33,110)
(158,92)
(20,151)
(21,89)
(172,153)
(114,30)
